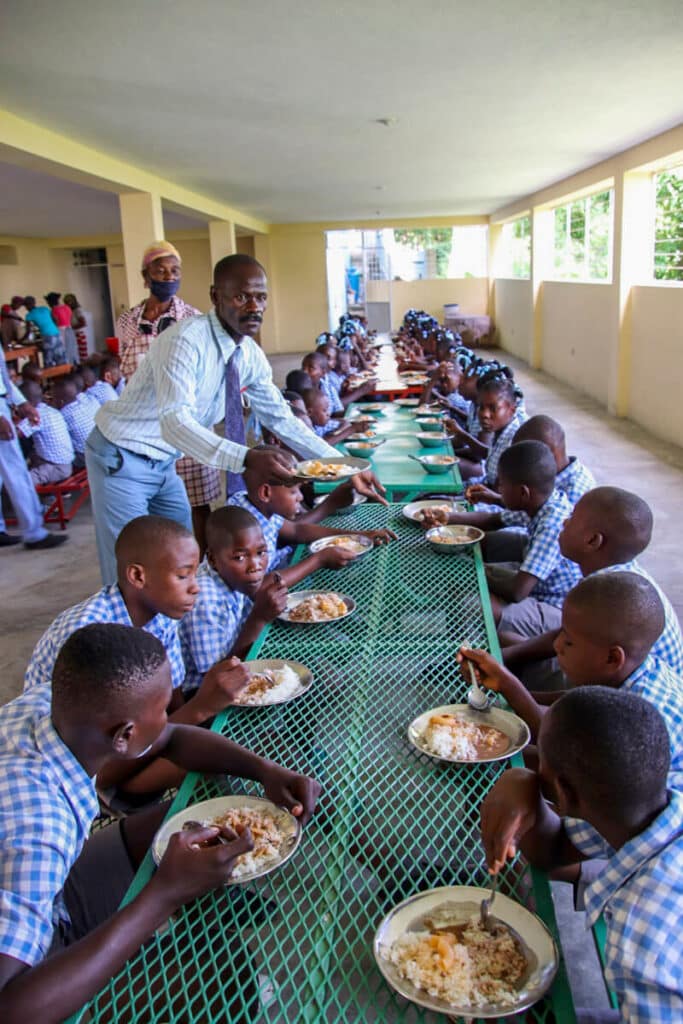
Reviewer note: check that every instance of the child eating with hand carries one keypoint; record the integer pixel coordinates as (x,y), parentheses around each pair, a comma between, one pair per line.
(610,624)
(236,598)
(601,791)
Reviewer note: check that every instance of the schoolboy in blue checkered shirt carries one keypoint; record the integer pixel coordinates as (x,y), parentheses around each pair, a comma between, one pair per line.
(236,598)
(111,686)
(601,791)
(53,452)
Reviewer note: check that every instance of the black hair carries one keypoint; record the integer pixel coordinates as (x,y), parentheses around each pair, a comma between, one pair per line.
(310,395)
(107,363)
(225,522)
(104,666)
(228,265)
(291,396)
(143,537)
(541,428)
(29,385)
(297,380)
(531,463)
(611,745)
(495,382)
(623,609)
(625,518)
(315,357)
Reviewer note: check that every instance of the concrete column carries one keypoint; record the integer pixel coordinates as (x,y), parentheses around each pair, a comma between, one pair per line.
(541,262)
(270,330)
(142,222)
(633,245)
(495,239)
(221,240)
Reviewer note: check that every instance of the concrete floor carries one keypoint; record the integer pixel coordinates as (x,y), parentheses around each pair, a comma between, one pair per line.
(36,586)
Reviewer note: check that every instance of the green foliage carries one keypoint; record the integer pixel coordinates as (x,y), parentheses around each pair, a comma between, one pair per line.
(438,239)
(669,226)
(520,247)
(582,238)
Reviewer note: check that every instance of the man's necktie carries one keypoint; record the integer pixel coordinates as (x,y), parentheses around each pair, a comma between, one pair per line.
(234,419)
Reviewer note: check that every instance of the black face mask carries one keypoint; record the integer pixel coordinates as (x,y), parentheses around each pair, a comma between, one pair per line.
(164,290)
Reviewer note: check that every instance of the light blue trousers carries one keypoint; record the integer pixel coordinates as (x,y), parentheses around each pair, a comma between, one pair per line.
(124,485)
(15,477)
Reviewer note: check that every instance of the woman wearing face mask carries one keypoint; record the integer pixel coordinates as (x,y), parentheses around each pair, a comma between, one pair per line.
(136,330)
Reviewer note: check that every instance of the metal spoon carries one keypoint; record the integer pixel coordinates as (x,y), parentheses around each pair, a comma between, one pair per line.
(477,697)
(488,922)
(189,826)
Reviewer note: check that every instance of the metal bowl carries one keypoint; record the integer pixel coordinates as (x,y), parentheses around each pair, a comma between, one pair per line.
(409,916)
(514,727)
(295,597)
(365,447)
(432,439)
(373,408)
(353,466)
(433,464)
(407,403)
(430,424)
(453,539)
(209,809)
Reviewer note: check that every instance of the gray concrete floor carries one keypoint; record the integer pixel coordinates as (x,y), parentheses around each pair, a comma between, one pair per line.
(36,586)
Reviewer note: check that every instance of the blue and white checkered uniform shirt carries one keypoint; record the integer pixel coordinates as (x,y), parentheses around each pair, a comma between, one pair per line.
(103,392)
(501,443)
(655,682)
(51,440)
(208,633)
(640,895)
(472,426)
(542,558)
(47,805)
(271,530)
(457,403)
(79,417)
(574,481)
(107,605)
(669,646)
(335,380)
(328,388)
(177,395)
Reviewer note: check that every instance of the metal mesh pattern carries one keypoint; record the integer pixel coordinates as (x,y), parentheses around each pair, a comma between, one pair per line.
(297,945)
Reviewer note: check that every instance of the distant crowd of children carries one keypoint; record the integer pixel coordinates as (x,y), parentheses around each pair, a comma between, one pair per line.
(117,685)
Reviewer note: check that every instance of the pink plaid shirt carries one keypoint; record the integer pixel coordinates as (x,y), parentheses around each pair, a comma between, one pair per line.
(135,342)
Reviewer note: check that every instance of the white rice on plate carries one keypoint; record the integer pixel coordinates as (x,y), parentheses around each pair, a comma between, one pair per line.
(269,686)
(453,737)
(471,970)
(266,835)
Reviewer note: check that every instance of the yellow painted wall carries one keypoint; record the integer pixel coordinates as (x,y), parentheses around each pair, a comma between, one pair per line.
(657,360)
(33,273)
(514,316)
(297,279)
(197,271)
(431,295)
(579,334)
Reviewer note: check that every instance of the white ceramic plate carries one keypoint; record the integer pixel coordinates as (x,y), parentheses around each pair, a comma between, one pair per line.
(264,664)
(295,597)
(514,728)
(207,810)
(465,900)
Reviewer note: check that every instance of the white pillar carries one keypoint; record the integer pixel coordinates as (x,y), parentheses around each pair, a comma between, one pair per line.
(221,240)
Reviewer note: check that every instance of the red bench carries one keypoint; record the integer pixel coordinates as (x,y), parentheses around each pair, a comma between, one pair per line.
(68,496)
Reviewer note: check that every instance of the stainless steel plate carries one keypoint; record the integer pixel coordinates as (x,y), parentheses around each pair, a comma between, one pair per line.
(410,510)
(326,542)
(295,597)
(409,916)
(207,810)
(512,725)
(268,664)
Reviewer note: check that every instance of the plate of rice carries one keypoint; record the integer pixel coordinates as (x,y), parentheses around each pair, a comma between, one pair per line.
(354,543)
(433,951)
(331,469)
(407,403)
(274,682)
(414,510)
(275,831)
(313,607)
(459,734)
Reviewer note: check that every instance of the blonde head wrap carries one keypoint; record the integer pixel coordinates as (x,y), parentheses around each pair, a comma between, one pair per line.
(157,250)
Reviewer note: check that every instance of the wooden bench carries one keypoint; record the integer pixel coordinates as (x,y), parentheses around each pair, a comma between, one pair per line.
(68,496)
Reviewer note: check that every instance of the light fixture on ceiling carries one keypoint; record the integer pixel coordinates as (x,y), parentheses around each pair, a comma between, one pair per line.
(378,188)
(388,122)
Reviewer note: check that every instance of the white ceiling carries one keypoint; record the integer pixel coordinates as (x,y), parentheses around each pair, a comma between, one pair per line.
(271,106)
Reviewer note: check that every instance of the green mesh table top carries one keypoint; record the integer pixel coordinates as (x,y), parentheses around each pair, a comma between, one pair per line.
(296,946)
(393,465)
